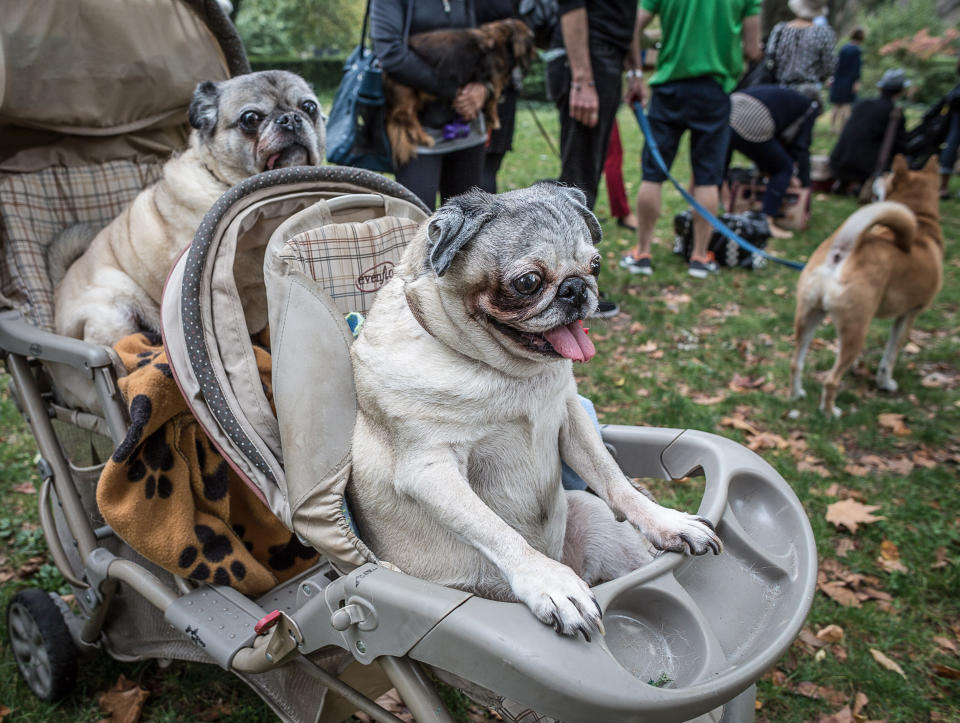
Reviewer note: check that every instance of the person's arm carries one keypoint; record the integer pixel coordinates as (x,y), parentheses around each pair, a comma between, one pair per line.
(584,103)
(750,37)
(635,91)
(387,18)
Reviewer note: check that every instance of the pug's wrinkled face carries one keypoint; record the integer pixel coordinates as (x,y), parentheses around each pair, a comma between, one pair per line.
(257,122)
(526,265)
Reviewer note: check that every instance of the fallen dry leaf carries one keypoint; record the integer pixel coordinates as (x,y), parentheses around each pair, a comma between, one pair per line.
(844,715)
(860,701)
(946,644)
(844,545)
(940,557)
(856,470)
(821,692)
(392,702)
(706,399)
(741,383)
(830,634)
(4,712)
(647,347)
(851,514)
(945,671)
(938,380)
(892,565)
(895,423)
(738,422)
(812,464)
(25,488)
(840,593)
(889,550)
(124,701)
(213,712)
(885,662)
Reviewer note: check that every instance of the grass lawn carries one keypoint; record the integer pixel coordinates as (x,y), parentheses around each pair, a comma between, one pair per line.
(711,355)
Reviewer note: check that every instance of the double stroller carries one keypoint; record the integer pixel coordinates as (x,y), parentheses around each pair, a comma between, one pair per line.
(298,251)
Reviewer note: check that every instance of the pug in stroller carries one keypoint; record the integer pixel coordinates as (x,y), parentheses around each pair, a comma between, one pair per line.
(241,126)
(467,402)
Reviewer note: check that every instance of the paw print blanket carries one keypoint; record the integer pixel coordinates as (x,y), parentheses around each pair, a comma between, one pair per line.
(170,495)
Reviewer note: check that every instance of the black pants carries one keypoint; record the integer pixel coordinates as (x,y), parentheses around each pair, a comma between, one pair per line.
(583,150)
(450,173)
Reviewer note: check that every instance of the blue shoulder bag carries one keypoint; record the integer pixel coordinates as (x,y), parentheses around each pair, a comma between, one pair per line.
(356,134)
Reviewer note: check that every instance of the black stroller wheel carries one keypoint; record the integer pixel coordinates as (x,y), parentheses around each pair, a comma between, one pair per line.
(41,644)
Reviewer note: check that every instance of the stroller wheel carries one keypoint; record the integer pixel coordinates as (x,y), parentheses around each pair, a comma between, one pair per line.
(41,644)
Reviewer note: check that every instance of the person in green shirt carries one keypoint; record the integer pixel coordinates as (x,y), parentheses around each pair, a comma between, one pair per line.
(702,48)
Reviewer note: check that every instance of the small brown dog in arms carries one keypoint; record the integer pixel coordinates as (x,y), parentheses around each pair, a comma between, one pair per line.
(486,54)
(885,261)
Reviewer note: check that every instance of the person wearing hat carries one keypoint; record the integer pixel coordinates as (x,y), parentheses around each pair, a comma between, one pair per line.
(803,50)
(856,156)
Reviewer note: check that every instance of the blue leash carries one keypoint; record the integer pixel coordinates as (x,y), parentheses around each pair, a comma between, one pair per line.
(714,221)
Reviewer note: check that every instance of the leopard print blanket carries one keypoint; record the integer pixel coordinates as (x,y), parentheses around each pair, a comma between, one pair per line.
(170,495)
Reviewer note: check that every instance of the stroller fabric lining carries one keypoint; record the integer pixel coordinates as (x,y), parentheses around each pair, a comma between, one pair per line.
(38,206)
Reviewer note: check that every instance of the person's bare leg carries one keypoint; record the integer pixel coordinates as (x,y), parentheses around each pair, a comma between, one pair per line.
(709,198)
(648,211)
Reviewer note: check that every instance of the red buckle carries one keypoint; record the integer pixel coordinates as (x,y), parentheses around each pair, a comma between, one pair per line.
(267,622)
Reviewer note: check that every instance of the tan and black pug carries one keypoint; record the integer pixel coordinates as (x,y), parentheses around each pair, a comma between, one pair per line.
(467,403)
(241,126)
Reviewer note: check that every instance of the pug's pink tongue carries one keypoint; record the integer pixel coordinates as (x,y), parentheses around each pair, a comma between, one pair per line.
(272,161)
(571,341)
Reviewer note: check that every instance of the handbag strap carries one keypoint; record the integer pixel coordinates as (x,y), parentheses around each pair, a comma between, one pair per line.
(888,135)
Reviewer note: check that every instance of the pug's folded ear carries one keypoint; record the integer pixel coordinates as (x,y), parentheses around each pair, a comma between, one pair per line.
(204,106)
(452,227)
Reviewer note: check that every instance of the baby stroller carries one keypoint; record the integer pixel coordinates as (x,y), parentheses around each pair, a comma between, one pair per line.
(296,251)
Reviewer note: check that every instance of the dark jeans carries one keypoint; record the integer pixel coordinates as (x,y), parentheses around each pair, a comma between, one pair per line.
(583,150)
(450,173)
(773,160)
(700,106)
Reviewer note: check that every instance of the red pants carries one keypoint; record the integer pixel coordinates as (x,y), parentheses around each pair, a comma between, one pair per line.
(613,173)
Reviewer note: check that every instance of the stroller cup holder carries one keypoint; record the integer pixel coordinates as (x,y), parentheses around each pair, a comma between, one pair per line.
(683,634)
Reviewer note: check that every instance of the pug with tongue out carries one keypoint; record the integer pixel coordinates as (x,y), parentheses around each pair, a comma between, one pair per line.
(467,403)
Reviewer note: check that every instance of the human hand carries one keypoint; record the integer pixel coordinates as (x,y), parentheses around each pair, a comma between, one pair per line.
(635,93)
(584,103)
(469,100)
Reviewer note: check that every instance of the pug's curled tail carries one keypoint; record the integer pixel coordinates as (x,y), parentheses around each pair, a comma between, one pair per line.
(895,216)
(66,248)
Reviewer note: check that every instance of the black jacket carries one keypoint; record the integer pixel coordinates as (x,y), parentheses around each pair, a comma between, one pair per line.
(854,157)
(387,19)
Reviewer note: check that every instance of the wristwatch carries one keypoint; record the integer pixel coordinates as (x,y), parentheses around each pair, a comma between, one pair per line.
(634,73)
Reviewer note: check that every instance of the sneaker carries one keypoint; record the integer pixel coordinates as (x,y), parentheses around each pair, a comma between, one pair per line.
(701,269)
(605,309)
(634,265)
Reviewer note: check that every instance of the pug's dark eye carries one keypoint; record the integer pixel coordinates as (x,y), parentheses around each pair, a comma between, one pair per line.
(595,265)
(528,284)
(250,120)
(310,108)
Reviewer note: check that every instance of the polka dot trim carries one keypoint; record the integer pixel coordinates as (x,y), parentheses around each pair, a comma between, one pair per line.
(193,298)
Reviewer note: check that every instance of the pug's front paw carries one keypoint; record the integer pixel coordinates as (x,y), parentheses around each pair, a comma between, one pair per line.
(679,532)
(558,597)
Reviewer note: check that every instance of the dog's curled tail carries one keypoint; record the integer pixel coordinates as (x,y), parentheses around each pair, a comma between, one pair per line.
(66,248)
(895,216)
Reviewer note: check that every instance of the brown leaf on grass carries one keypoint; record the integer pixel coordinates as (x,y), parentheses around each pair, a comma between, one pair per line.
(707,400)
(860,701)
(840,593)
(856,470)
(889,558)
(830,634)
(25,488)
(738,422)
(636,328)
(392,702)
(886,662)
(213,712)
(812,464)
(812,642)
(920,459)
(821,692)
(940,556)
(647,347)
(892,565)
(839,652)
(946,645)
(945,671)
(742,383)
(767,440)
(939,380)
(844,545)
(895,423)
(124,701)
(844,715)
(4,712)
(851,514)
